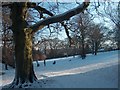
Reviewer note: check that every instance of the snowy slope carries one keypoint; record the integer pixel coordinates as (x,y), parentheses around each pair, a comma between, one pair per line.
(101,78)
(95,71)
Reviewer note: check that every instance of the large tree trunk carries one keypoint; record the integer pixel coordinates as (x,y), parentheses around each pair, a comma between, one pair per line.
(24,72)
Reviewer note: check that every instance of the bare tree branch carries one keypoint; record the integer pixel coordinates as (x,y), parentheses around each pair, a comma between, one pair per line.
(67,32)
(59,18)
(6,4)
(39,8)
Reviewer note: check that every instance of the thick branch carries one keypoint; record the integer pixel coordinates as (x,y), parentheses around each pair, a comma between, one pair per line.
(6,4)
(59,18)
(39,8)
(67,32)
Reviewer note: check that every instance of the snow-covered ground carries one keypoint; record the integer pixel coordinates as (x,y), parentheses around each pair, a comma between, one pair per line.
(99,71)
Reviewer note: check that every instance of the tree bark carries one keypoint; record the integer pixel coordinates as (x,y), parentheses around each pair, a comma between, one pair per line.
(23,58)
(24,72)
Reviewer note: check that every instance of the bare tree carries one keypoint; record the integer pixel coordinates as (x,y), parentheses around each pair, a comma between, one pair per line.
(111,10)
(95,37)
(83,23)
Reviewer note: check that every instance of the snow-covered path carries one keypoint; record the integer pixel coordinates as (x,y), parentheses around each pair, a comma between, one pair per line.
(101,70)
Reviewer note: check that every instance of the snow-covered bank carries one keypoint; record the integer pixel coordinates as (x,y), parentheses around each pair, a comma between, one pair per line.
(95,71)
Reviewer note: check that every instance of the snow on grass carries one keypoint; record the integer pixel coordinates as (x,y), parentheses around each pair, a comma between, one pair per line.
(91,62)
(94,71)
(8,75)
